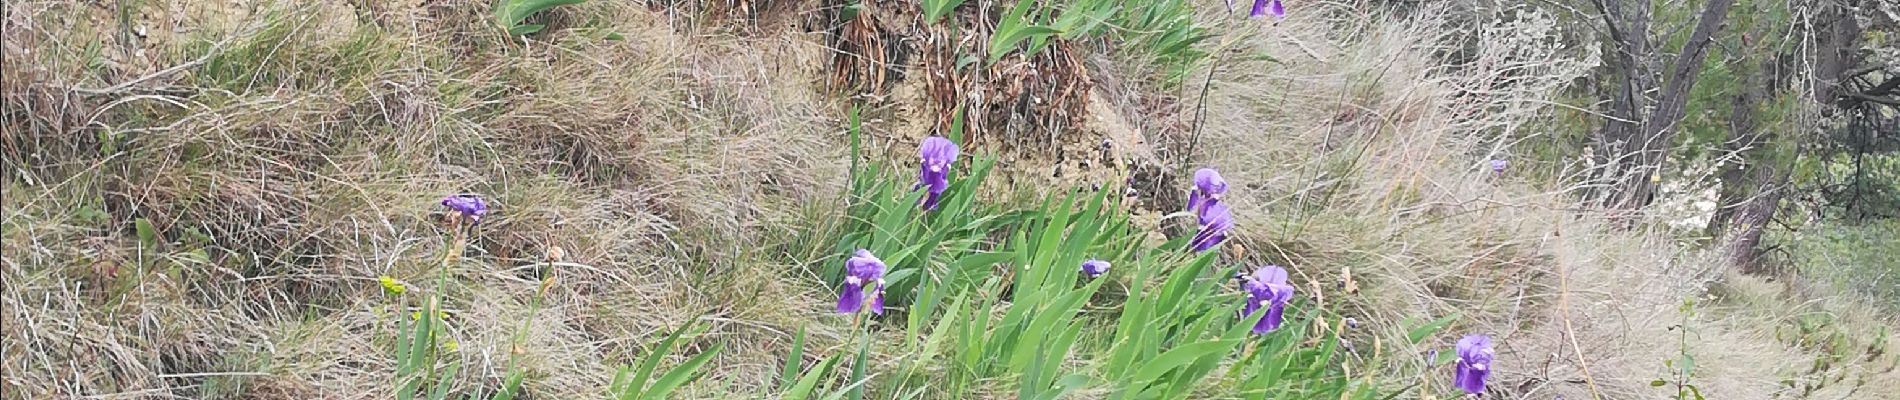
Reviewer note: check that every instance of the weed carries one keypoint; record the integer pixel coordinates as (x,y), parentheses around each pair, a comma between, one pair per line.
(510,14)
(1682,368)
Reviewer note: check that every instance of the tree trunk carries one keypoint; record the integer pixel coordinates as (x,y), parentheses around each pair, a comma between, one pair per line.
(1834,50)
(1638,147)
(1744,248)
(1747,143)
(1832,46)
(1617,139)
(1752,188)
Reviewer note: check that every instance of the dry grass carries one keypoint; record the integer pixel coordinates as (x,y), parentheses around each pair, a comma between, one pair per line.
(304,155)
(1367,149)
(303,147)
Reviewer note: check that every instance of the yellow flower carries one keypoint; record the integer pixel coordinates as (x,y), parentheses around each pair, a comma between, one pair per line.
(391,286)
(451,345)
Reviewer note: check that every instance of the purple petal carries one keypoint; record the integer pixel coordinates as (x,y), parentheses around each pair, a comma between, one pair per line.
(1275,315)
(1270,274)
(930,200)
(851,297)
(1209,181)
(1259,9)
(937,155)
(468,205)
(864,266)
(1252,306)
(936,181)
(1275,308)
(1470,377)
(1281,293)
(1476,348)
(860,268)
(1274,7)
(1094,268)
(1215,221)
(877,301)
(1208,185)
(1194,201)
(1265,325)
(1205,240)
(1216,216)
(1474,363)
(937,151)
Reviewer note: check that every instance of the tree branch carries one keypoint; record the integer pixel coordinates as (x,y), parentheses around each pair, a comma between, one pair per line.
(1683,71)
(1884,88)
(1873,99)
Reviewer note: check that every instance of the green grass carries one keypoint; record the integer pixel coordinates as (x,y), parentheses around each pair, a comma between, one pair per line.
(1006,317)
(219,232)
(1838,255)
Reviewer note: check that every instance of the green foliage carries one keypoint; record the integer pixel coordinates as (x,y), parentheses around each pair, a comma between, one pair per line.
(990,300)
(424,364)
(510,13)
(148,237)
(281,51)
(1039,325)
(1018,25)
(884,216)
(1858,187)
(1418,334)
(418,354)
(1837,254)
(1037,23)
(1172,330)
(1840,352)
(936,9)
(1682,368)
(1164,34)
(637,386)
(1083,18)
(793,385)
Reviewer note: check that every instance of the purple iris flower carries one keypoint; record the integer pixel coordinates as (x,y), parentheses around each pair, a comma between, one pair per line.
(862,268)
(1264,7)
(1208,186)
(1474,363)
(1497,166)
(1094,268)
(1267,288)
(470,206)
(937,154)
(1215,221)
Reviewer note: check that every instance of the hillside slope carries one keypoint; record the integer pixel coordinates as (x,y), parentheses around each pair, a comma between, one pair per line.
(200,199)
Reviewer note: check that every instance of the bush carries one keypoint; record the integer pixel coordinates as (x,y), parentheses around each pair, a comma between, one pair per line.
(1839,255)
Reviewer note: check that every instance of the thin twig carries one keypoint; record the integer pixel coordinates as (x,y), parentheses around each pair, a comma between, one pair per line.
(1200,114)
(1563,310)
(216,49)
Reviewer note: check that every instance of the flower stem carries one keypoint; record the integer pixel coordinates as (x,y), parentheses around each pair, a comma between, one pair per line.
(861,324)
